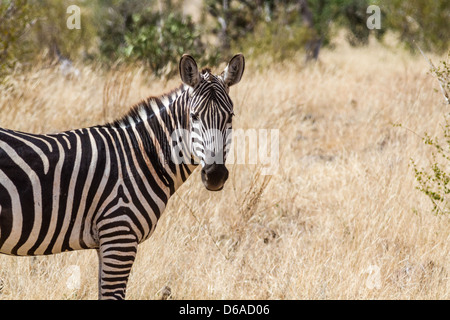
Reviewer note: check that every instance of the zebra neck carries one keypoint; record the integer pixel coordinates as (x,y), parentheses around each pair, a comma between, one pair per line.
(181,137)
(153,123)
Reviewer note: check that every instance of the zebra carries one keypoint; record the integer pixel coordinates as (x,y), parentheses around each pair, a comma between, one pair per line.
(105,187)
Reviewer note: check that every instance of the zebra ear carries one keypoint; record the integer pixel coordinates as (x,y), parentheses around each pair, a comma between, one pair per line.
(234,70)
(189,71)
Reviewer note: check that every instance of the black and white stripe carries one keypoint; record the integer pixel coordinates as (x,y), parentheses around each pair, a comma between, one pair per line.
(104,187)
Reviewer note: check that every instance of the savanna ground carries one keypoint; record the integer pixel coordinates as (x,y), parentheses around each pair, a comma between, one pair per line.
(341,219)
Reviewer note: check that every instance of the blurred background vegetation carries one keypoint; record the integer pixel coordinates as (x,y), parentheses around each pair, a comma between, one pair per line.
(157,32)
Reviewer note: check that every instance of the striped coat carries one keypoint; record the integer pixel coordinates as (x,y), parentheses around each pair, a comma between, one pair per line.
(105,187)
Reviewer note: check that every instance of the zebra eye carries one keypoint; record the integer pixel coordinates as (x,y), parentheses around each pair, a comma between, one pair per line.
(194,116)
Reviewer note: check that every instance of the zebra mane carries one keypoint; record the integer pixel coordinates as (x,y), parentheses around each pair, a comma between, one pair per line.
(153,104)
(147,107)
(206,73)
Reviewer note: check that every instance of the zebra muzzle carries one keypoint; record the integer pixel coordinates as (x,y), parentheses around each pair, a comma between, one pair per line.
(214,176)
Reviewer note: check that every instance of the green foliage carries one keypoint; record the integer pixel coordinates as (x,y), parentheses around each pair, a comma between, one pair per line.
(161,41)
(283,29)
(354,18)
(235,19)
(115,18)
(158,39)
(442,73)
(324,12)
(279,42)
(423,21)
(434,181)
(15,17)
(157,32)
(51,28)
(352,15)
(30,27)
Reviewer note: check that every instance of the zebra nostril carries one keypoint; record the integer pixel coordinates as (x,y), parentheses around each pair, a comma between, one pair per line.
(210,154)
(204,174)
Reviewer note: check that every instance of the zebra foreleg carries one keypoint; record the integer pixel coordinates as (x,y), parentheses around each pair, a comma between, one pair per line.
(116,256)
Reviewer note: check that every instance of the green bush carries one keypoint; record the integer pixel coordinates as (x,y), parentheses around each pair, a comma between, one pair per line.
(434,180)
(157,33)
(161,41)
(422,21)
(158,39)
(29,28)
(15,17)
(51,28)
(279,42)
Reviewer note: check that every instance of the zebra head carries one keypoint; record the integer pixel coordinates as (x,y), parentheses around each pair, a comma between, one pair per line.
(211,113)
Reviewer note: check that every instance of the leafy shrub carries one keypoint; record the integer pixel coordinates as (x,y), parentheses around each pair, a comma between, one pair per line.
(434,181)
(280,42)
(15,17)
(161,41)
(421,21)
(51,29)
(155,38)
(29,28)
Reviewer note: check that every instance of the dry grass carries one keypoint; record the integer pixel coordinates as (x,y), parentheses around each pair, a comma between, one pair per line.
(343,202)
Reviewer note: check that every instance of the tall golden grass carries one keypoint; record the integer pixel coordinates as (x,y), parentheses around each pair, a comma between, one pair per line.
(341,219)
